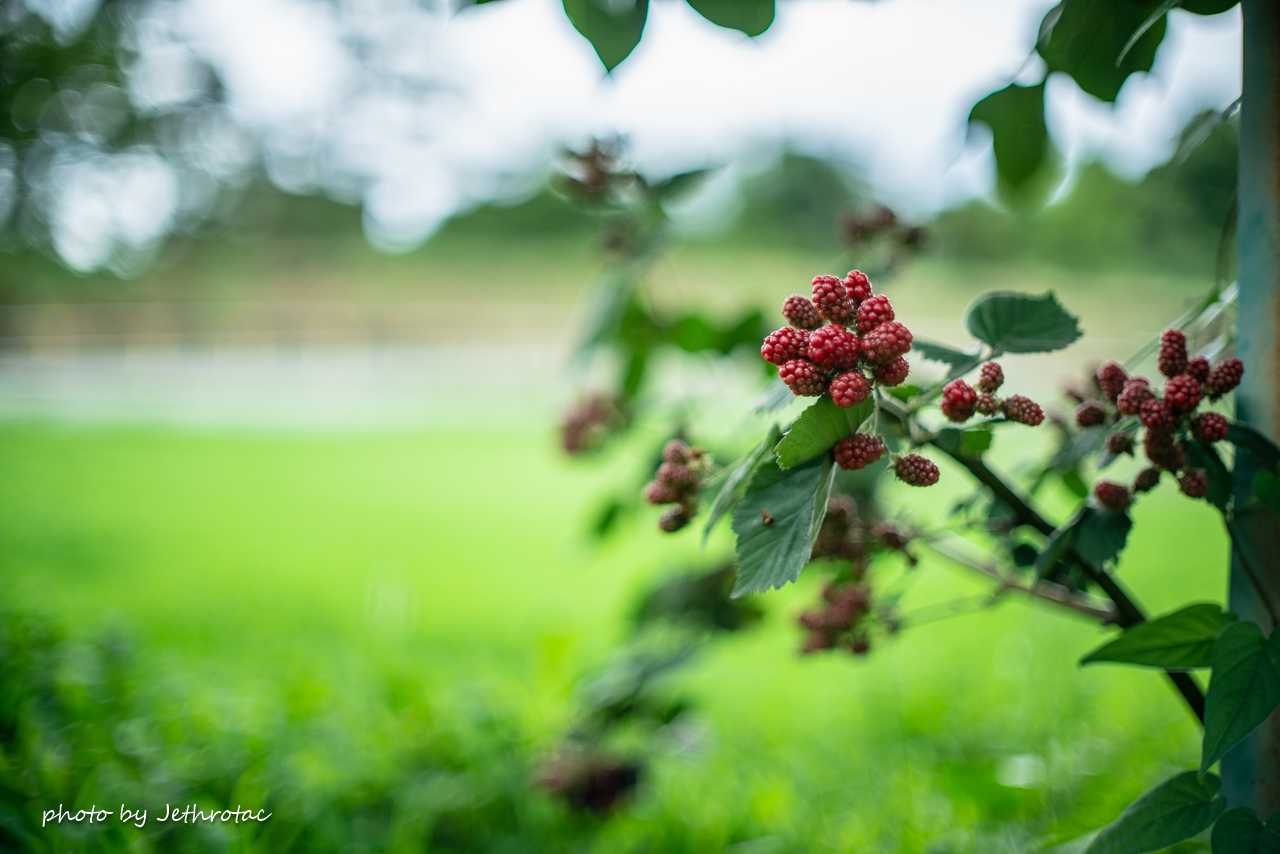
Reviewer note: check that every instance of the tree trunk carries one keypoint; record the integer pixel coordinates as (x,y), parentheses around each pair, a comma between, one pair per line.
(1251,772)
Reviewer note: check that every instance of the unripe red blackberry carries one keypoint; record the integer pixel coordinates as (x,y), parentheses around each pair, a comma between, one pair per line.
(677,451)
(1209,427)
(1090,414)
(803,378)
(1155,414)
(674,519)
(833,346)
(783,345)
(1111,378)
(857,285)
(1183,393)
(1194,483)
(817,642)
(1024,410)
(1225,377)
(676,475)
(656,492)
(988,404)
(858,451)
(1199,368)
(1111,495)
(958,400)
(886,342)
(1120,443)
(849,388)
(832,299)
(991,377)
(893,373)
(916,470)
(1136,392)
(1146,480)
(1173,353)
(1162,450)
(801,313)
(874,311)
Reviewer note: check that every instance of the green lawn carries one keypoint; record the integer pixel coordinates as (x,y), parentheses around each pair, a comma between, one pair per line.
(333,605)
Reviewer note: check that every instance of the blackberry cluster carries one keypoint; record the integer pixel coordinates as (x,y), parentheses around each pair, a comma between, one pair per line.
(676,482)
(840,622)
(960,400)
(1168,416)
(589,422)
(842,340)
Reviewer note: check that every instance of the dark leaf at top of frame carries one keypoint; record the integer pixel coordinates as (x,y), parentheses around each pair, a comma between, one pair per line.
(818,429)
(1182,640)
(1239,831)
(613,28)
(1177,809)
(1244,688)
(935,352)
(1012,322)
(752,17)
(777,521)
(1019,139)
(1208,7)
(1089,38)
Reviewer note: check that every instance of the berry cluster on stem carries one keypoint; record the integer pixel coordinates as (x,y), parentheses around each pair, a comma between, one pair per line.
(676,482)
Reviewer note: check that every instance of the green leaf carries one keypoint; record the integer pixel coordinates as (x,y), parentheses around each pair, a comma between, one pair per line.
(935,352)
(613,28)
(1179,641)
(777,521)
(1156,16)
(737,478)
(1089,36)
(752,17)
(1102,535)
(1058,546)
(1244,689)
(1238,831)
(1248,439)
(1177,809)
(1208,7)
(1019,137)
(1266,488)
(973,442)
(677,185)
(1205,457)
(818,429)
(1020,323)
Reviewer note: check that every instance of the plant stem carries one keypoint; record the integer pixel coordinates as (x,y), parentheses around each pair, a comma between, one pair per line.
(1237,540)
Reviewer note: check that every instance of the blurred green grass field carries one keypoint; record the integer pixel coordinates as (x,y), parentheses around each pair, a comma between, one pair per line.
(370,592)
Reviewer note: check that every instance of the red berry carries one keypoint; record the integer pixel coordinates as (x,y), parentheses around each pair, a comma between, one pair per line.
(988,404)
(1120,443)
(801,313)
(873,312)
(677,451)
(916,470)
(1173,353)
(676,475)
(1183,393)
(1225,377)
(850,388)
(859,450)
(832,299)
(886,342)
(783,345)
(1146,480)
(656,492)
(857,285)
(958,400)
(1111,495)
(1111,379)
(893,373)
(1090,414)
(1199,368)
(833,346)
(991,377)
(1135,393)
(1024,410)
(1194,483)
(1209,427)
(1162,450)
(803,378)
(1155,414)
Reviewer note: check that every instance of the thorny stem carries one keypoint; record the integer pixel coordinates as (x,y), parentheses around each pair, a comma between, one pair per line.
(1128,612)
